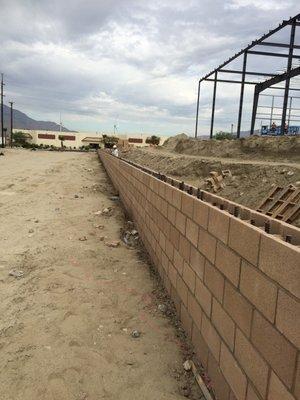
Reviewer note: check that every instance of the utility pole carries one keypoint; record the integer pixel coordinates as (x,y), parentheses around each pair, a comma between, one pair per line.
(2,117)
(11,122)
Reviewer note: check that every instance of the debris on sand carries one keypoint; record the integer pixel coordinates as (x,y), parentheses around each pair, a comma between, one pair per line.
(113,243)
(83,238)
(130,238)
(99,226)
(16,273)
(162,308)
(216,181)
(114,198)
(135,334)
(107,211)
(187,365)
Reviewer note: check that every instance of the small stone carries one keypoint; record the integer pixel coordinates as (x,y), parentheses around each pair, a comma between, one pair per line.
(83,238)
(98,213)
(99,226)
(290,173)
(114,243)
(102,238)
(76,196)
(187,365)
(135,334)
(16,274)
(162,308)
(30,231)
(36,221)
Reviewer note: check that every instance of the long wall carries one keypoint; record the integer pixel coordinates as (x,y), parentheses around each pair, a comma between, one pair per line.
(236,288)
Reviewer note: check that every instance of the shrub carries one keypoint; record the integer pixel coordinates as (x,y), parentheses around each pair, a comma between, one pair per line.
(223,135)
(109,141)
(19,138)
(153,140)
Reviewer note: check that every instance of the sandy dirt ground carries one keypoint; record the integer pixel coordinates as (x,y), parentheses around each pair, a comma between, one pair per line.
(66,323)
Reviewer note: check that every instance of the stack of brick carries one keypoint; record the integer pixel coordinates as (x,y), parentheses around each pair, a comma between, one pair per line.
(235,287)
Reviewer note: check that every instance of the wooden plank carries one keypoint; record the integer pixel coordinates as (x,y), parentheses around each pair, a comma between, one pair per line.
(200,382)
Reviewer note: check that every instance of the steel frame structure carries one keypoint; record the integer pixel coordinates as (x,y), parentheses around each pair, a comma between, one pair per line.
(259,87)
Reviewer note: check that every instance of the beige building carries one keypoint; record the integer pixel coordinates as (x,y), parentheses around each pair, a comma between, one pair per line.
(79,139)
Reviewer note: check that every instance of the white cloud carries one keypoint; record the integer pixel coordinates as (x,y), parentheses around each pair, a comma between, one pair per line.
(134,61)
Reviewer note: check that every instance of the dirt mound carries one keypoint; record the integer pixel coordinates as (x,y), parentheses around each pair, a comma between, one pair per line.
(250,182)
(172,142)
(271,148)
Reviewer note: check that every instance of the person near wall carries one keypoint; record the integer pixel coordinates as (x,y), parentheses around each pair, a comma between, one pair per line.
(115,151)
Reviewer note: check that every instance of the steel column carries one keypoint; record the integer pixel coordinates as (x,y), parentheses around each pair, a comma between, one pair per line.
(197,112)
(287,82)
(213,106)
(272,111)
(254,110)
(238,131)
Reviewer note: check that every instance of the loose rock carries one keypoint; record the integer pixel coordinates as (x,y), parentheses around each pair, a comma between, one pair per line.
(16,273)
(135,334)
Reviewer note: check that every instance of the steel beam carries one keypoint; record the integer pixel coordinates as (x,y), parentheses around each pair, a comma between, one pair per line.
(288,71)
(279,78)
(232,71)
(238,132)
(213,106)
(266,53)
(284,45)
(197,112)
(254,110)
(230,81)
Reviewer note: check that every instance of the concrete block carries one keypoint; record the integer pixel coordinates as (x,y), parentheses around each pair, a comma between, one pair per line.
(200,213)
(275,349)
(211,337)
(218,224)
(189,277)
(194,310)
(180,222)
(219,384)
(197,261)
(288,317)
(201,347)
(277,390)
(280,261)
(207,245)
(214,280)
(192,231)
(187,205)
(184,248)
(238,307)
(204,297)
(252,363)
(182,290)
(261,291)
(244,239)
(233,373)
(178,262)
(223,323)
(228,263)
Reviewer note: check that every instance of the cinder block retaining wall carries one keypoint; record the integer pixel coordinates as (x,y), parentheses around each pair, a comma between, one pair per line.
(236,288)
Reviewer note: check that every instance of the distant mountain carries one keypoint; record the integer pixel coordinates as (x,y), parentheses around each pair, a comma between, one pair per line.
(22,121)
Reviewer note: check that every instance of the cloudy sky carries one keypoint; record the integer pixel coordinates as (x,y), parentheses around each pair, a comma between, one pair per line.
(134,63)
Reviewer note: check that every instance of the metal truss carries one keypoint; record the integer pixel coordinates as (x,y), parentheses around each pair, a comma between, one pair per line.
(247,76)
